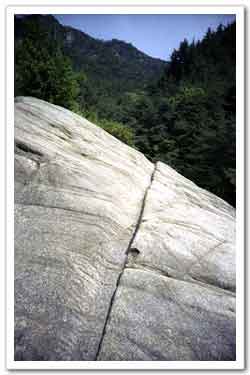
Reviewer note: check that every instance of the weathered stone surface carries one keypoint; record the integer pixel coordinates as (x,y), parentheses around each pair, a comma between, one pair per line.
(78,192)
(81,196)
(178,289)
(187,232)
(157,318)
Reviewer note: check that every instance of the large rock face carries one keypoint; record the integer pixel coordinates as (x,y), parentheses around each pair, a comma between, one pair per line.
(115,258)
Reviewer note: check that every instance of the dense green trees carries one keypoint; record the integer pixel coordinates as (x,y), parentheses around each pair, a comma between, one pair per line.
(186,118)
(202,117)
(41,70)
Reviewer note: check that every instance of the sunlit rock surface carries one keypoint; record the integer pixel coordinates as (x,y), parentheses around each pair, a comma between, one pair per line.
(176,297)
(115,258)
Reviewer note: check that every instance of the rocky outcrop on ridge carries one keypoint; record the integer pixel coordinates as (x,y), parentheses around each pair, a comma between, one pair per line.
(115,258)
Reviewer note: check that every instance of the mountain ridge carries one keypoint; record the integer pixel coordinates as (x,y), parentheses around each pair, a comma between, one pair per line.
(185,118)
(126,65)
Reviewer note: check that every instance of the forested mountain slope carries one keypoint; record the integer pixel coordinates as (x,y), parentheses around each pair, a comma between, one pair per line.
(108,66)
(188,118)
(181,112)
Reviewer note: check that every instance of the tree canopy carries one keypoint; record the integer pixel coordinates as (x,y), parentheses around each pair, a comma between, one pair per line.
(185,118)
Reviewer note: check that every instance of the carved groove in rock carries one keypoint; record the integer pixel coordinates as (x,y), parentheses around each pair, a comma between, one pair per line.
(125,261)
(184,275)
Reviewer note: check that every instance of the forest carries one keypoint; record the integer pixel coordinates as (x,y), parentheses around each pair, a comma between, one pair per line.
(181,112)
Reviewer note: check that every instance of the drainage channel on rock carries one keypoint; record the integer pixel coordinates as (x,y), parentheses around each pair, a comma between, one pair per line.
(131,253)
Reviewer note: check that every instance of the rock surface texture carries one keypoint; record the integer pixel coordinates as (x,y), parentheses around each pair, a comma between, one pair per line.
(115,258)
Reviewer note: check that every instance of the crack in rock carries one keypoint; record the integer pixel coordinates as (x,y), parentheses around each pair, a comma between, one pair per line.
(130,252)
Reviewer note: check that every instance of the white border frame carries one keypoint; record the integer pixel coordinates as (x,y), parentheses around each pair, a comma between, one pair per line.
(240,168)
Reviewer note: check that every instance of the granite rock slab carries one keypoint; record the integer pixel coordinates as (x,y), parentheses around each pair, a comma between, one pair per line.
(116,258)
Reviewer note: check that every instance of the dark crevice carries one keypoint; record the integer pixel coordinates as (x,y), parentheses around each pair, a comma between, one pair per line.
(134,251)
(141,211)
(130,251)
(21,146)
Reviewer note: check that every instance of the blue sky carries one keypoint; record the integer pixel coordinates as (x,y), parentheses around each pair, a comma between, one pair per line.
(156,35)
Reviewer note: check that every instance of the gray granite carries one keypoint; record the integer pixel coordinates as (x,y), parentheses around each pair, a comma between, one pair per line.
(78,193)
(115,258)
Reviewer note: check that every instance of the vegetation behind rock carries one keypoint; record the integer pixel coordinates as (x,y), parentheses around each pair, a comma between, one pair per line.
(181,112)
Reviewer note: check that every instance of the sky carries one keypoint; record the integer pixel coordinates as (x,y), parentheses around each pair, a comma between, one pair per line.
(155,35)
